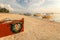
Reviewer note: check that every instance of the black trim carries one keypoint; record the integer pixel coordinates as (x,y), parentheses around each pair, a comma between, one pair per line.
(16,31)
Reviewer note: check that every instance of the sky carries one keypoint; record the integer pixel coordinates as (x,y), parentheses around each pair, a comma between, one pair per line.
(32,6)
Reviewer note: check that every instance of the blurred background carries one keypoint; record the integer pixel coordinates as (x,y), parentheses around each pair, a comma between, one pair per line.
(41,9)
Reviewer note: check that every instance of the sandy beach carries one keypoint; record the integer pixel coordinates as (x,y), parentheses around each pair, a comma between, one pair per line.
(34,29)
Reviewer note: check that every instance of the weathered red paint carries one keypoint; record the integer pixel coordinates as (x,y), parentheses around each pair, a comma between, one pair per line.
(5,27)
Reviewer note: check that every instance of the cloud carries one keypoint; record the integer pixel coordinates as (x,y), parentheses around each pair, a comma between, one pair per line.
(21,5)
(7,6)
(46,6)
(36,6)
(31,5)
(28,3)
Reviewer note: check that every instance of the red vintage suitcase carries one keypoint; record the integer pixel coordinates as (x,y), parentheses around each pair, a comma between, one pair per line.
(9,27)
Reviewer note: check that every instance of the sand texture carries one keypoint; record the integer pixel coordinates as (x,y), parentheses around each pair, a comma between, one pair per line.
(34,29)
